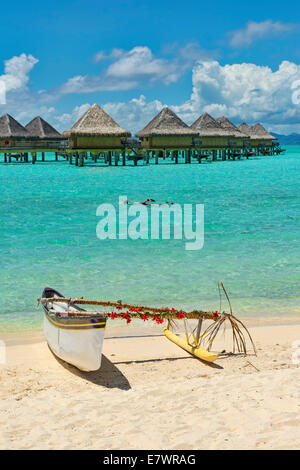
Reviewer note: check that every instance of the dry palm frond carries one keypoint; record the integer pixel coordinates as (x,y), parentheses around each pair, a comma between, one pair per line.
(239,330)
(220,296)
(222,285)
(239,333)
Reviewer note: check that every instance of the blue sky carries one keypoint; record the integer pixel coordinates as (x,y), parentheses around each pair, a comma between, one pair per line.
(57,58)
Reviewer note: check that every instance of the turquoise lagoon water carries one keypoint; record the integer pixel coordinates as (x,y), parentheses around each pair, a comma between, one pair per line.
(252,220)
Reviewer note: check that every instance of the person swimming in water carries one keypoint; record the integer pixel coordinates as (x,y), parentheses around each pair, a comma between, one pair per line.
(145,203)
(148,202)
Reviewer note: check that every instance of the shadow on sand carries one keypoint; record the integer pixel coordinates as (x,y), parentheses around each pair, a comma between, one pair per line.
(145,361)
(107,376)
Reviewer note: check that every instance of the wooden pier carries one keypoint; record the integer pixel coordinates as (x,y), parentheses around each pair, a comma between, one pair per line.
(131,157)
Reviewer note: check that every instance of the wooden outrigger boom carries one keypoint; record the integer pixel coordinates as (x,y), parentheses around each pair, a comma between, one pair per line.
(165,311)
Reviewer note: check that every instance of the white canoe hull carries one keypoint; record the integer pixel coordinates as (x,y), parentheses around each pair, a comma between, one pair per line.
(82,349)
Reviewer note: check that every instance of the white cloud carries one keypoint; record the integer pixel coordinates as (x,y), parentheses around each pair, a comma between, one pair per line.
(115,53)
(32,110)
(192,52)
(16,71)
(254,31)
(99,56)
(20,101)
(135,114)
(66,120)
(91,84)
(243,92)
(140,64)
(130,69)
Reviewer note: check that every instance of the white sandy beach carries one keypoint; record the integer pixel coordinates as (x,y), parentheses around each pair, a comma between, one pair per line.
(149,394)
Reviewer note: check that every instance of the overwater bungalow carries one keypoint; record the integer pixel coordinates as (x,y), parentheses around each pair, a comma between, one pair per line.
(239,139)
(12,133)
(38,128)
(211,133)
(259,136)
(96,130)
(166,131)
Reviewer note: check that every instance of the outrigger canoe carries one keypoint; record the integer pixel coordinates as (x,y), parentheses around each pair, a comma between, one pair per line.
(76,335)
(76,338)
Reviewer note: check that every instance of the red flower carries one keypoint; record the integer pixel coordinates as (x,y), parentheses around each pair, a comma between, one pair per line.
(125,315)
(145,317)
(128,319)
(113,315)
(216,314)
(119,308)
(180,315)
(159,320)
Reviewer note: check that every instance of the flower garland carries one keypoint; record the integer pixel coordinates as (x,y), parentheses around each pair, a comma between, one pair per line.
(171,314)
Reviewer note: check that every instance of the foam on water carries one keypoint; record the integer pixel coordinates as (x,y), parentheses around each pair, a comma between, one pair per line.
(252,215)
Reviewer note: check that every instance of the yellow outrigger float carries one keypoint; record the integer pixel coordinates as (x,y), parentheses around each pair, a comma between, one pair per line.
(193,349)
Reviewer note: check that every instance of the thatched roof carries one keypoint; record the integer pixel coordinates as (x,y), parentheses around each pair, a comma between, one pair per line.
(207,126)
(96,121)
(229,126)
(9,127)
(245,128)
(259,132)
(256,132)
(38,127)
(166,122)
